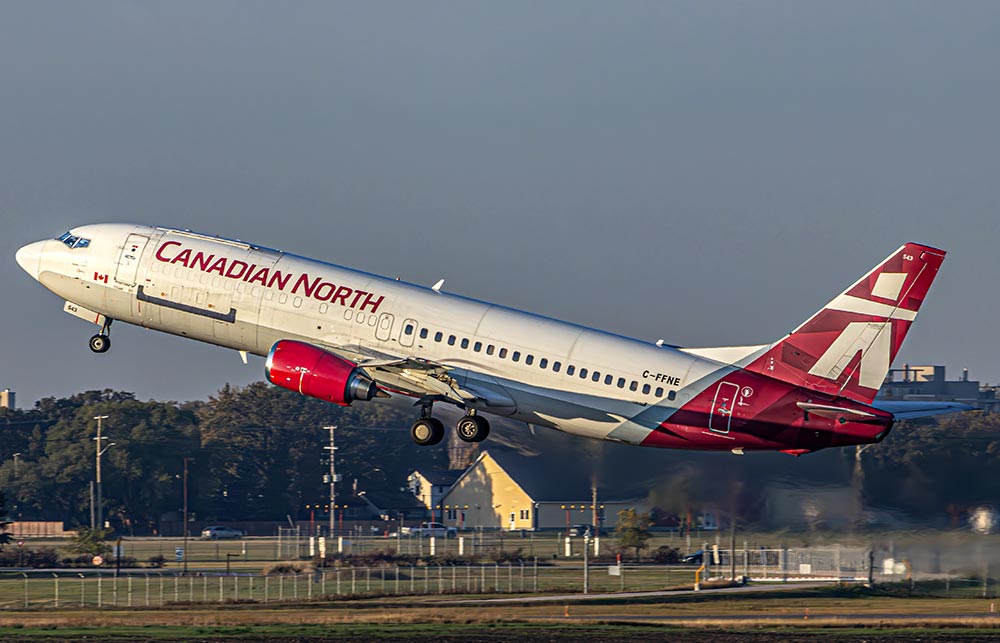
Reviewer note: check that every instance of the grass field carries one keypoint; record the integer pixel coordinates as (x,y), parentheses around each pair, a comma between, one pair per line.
(841,614)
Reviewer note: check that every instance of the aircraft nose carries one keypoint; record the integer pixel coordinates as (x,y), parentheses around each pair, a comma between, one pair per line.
(29,258)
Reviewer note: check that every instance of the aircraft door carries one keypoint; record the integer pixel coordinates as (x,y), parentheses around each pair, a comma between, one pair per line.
(408,332)
(384,327)
(726,397)
(128,262)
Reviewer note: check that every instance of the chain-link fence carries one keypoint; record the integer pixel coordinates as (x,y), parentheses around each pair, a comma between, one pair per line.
(145,589)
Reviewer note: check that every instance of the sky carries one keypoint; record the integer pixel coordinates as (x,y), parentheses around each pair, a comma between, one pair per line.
(710,173)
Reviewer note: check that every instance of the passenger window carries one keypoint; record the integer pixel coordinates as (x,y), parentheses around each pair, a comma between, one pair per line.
(583,373)
(659,392)
(438,336)
(570,369)
(465,343)
(516,356)
(478,346)
(556,366)
(423,333)
(672,395)
(543,363)
(645,389)
(529,360)
(451,340)
(634,386)
(503,353)
(408,329)
(621,382)
(596,377)
(489,349)
(608,379)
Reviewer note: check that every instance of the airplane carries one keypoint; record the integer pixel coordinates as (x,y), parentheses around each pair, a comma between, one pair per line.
(343,335)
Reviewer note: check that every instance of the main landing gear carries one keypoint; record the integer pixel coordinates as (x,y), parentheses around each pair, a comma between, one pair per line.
(101,343)
(473,428)
(429,430)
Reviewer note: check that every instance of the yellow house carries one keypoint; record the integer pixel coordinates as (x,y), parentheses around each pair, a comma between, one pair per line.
(502,490)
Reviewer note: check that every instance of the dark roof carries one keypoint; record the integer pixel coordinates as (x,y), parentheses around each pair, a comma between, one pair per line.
(553,478)
(393,500)
(440,478)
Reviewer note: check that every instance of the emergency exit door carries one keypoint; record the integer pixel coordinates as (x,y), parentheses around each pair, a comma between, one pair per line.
(722,407)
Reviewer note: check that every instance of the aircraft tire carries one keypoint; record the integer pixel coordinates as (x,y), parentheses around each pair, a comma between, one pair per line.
(473,428)
(427,431)
(100,343)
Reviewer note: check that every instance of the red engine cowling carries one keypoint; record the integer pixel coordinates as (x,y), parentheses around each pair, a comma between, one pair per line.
(312,371)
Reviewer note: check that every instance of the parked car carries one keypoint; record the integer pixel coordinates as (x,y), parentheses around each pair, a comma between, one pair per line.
(580,530)
(428,529)
(220,533)
(695,558)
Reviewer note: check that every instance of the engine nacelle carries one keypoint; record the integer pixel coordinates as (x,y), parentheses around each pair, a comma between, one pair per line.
(312,371)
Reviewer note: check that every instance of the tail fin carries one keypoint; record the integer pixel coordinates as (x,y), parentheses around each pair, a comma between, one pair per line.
(846,348)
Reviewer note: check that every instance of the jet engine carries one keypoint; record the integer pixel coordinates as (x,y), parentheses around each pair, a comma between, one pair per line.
(312,371)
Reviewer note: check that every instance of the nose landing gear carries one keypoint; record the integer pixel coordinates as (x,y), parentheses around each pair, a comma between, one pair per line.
(101,343)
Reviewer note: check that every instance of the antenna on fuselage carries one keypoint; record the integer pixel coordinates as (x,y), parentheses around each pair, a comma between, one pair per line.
(659,343)
(437,287)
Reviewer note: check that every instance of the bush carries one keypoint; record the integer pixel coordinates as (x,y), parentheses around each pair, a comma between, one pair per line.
(666,555)
(287,569)
(40,558)
(157,561)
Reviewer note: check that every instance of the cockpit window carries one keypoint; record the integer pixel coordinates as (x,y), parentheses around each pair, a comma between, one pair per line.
(73,241)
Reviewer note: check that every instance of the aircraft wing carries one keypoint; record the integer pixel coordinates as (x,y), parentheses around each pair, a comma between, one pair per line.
(415,376)
(906,410)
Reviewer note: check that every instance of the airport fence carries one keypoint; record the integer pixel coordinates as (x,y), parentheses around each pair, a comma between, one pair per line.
(107,589)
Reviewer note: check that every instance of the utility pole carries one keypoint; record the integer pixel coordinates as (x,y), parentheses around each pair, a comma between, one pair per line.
(99,452)
(16,456)
(333,479)
(186,460)
(594,510)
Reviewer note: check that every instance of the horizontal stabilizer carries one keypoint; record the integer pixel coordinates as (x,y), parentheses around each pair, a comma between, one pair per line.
(839,412)
(905,410)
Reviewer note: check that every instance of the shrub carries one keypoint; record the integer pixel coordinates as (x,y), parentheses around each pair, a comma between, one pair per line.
(666,555)
(157,561)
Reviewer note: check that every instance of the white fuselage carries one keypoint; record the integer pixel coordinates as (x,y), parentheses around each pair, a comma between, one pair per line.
(534,369)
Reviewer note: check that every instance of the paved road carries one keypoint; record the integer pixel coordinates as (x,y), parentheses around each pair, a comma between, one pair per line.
(755,619)
(564,598)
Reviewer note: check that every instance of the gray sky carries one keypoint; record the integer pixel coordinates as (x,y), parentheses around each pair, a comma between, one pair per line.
(706,172)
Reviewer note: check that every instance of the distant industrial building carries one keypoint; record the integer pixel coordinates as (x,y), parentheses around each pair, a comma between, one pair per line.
(930,383)
(504,490)
(7,399)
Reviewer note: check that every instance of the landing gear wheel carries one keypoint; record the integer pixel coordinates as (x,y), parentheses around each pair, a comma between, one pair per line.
(100,343)
(427,431)
(473,428)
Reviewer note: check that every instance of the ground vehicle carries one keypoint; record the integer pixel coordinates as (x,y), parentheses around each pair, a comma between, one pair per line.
(695,558)
(580,530)
(428,529)
(221,533)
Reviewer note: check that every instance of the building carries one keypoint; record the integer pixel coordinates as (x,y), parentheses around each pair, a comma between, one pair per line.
(7,400)
(430,486)
(919,383)
(505,490)
(392,505)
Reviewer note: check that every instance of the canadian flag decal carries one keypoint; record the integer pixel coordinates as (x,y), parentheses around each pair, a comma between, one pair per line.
(99,277)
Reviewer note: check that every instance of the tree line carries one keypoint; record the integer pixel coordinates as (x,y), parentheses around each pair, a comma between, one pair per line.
(255,453)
